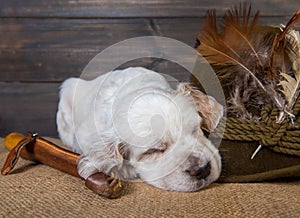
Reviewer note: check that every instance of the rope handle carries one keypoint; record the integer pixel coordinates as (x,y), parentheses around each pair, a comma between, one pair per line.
(281,137)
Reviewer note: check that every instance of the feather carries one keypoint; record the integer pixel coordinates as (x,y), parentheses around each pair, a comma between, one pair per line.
(290,83)
(278,43)
(287,42)
(240,30)
(281,37)
(241,49)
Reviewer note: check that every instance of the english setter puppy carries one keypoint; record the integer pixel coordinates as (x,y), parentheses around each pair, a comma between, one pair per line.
(131,124)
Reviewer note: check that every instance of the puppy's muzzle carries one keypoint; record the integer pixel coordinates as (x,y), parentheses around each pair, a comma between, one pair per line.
(199,172)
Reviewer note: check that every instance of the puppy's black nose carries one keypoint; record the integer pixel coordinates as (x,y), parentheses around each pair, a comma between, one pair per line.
(200,172)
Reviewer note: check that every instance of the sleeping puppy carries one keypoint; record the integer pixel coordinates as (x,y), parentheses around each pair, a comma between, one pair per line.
(131,124)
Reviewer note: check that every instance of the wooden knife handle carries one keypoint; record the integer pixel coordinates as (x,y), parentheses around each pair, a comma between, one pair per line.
(34,148)
(43,151)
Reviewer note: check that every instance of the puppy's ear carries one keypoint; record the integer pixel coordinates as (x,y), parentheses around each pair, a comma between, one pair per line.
(209,109)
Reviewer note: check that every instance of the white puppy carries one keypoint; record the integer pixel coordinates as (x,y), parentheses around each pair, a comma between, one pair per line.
(130,123)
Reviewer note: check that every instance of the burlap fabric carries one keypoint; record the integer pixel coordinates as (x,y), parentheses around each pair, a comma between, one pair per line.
(34,190)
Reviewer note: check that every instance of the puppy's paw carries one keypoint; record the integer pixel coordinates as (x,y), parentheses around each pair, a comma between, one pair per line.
(106,186)
(114,183)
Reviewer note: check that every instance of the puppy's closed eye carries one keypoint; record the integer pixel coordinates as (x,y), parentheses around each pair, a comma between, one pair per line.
(153,151)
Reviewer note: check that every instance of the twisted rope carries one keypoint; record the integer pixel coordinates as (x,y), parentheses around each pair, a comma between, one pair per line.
(283,137)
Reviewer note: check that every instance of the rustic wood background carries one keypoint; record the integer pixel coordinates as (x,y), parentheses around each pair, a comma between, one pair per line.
(44,42)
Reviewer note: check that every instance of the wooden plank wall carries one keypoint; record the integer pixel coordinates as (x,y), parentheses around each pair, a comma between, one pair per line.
(44,42)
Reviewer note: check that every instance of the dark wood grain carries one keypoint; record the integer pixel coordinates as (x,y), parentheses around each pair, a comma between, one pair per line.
(28,107)
(52,50)
(133,8)
(67,34)
(182,29)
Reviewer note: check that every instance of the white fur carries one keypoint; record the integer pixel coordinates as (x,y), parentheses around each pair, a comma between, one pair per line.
(133,124)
